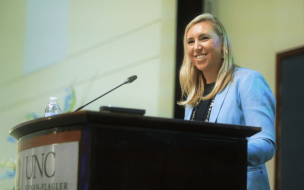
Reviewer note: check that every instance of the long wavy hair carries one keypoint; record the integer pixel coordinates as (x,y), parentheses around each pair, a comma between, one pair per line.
(191,79)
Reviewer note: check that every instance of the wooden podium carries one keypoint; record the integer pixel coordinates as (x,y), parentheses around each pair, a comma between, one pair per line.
(90,150)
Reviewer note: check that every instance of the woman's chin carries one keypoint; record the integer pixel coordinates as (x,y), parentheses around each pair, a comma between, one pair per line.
(201,67)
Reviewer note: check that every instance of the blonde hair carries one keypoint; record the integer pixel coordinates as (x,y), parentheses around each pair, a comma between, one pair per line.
(191,79)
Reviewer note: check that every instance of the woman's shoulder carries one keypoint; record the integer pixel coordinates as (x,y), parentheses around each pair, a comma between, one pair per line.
(243,73)
(249,79)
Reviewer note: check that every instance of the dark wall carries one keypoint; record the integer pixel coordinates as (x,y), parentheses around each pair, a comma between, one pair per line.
(292,123)
(186,11)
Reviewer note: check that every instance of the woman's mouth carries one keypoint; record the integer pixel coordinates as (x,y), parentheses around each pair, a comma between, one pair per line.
(200,56)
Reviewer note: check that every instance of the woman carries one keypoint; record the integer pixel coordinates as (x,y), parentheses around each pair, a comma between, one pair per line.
(219,91)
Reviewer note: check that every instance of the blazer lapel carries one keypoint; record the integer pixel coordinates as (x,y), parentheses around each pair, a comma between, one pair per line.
(217,104)
(188,112)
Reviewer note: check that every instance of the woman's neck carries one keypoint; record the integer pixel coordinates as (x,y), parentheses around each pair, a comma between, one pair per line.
(211,74)
(210,77)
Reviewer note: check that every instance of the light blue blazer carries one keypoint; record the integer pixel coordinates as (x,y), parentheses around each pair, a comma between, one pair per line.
(248,100)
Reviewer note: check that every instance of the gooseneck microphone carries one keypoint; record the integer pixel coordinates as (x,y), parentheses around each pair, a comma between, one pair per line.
(128,80)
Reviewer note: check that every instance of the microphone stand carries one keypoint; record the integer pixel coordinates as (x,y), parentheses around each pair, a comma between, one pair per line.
(129,80)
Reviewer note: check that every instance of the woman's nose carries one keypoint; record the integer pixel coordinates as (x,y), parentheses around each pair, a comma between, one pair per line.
(197,46)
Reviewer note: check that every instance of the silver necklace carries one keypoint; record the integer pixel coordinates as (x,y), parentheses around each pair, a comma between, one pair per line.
(209,110)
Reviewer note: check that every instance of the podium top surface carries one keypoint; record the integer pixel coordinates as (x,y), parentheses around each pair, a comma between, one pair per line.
(134,121)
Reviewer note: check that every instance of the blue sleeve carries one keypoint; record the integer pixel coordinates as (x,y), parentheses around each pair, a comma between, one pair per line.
(258,106)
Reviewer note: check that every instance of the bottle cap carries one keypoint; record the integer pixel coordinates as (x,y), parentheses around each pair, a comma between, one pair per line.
(53,98)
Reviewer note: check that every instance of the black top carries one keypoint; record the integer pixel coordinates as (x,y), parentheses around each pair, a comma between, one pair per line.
(202,109)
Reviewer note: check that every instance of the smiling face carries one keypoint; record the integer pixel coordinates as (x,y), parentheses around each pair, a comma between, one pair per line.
(204,48)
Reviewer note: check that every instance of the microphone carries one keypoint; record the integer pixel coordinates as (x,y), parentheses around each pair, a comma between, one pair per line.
(131,79)
(128,80)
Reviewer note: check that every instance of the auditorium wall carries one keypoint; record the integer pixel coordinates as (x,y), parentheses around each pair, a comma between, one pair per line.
(78,50)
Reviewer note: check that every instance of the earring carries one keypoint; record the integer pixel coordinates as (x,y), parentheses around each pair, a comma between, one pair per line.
(223,56)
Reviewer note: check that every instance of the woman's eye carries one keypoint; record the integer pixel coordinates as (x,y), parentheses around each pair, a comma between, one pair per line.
(190,42)
(205,38)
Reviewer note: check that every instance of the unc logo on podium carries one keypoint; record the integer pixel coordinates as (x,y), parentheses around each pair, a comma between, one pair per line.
(40,164)
(48,167)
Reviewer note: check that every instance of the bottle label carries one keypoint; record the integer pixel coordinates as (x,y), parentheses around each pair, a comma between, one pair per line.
(50,114)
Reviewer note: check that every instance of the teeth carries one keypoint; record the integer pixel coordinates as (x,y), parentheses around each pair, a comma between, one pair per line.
(200,56)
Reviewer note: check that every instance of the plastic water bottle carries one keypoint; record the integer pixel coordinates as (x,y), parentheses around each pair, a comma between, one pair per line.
(52,108)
